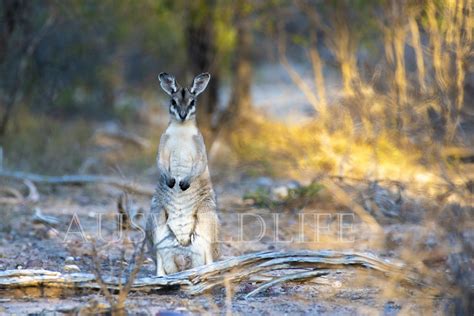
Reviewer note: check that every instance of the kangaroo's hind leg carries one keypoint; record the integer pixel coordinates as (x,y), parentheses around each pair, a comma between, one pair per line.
(206,231)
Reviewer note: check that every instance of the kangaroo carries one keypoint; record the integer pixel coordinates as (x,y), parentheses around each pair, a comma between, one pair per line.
(183,225)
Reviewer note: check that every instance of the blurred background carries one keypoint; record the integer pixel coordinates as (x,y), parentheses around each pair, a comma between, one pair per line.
(367,87)
(358,105)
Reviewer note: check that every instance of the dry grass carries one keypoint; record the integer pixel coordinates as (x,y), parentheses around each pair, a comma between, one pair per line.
(390,121)
(307,150)
(44,144)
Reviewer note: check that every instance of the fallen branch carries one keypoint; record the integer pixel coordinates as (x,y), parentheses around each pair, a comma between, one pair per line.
(291,277)
(39,217)
(33,195)
(14,196)
(201,279)
(113,132)
(11,196)
(80,179)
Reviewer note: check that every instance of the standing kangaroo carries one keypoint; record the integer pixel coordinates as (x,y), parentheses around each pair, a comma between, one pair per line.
(182,227)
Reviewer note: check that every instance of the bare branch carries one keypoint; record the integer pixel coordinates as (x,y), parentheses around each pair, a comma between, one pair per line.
(291,277)
(80,179)
(39,217)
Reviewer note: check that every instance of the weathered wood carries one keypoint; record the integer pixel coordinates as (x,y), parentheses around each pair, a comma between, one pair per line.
(39,217)
(291,277)
(201,279)
(113,132)
(16,197)
(80,179)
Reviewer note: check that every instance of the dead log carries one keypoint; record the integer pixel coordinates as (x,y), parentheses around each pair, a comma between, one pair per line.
(235,269)
(124,184)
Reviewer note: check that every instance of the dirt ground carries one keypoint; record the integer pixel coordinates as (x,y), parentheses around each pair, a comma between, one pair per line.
(417,235)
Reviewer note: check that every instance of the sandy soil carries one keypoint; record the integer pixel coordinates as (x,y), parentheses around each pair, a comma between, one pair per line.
(408,236)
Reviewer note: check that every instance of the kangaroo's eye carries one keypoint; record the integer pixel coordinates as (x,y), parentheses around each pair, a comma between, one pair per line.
(173,102)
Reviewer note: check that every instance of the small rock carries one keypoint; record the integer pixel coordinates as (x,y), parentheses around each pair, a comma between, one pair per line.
(52,233)
(71,268)
(280,192)
(69,260)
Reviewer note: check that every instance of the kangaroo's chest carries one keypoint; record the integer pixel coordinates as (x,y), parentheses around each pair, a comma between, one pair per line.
(182,150)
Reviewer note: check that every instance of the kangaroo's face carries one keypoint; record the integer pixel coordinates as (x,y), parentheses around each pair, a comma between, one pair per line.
(182,106)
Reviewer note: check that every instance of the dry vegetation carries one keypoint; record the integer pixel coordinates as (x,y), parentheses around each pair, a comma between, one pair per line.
(390,148)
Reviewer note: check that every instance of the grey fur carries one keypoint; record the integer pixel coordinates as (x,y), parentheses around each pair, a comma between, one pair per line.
(182,226)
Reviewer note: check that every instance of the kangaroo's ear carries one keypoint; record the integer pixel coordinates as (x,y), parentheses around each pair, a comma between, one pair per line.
(168,83)
(200,83)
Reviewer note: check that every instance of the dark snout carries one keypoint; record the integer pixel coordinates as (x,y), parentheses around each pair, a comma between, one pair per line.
(182,115)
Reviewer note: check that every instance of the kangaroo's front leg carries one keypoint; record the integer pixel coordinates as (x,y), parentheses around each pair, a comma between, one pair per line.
(160,270)
(199,163)
(163,161)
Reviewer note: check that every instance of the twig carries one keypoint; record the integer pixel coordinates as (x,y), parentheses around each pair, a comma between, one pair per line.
(291,277)
(39,217)
(114,133)
(79,179)
(118,303)
(33,195)
(133,274)
(98,275)
(18,197)
(342,197)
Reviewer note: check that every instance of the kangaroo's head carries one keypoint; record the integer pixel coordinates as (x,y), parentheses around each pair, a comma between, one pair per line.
(182,104)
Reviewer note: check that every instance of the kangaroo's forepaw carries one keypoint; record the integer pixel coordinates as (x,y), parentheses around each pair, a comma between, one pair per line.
(170,182)
(184,185)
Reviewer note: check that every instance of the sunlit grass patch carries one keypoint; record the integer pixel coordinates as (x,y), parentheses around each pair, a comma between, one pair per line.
(306,150)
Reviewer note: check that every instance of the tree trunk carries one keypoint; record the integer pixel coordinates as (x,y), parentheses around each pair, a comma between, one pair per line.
(240,100)
(10,16)
(201,50)
(10,20)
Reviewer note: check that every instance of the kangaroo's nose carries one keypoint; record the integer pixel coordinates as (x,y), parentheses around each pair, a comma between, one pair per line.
(182,115)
